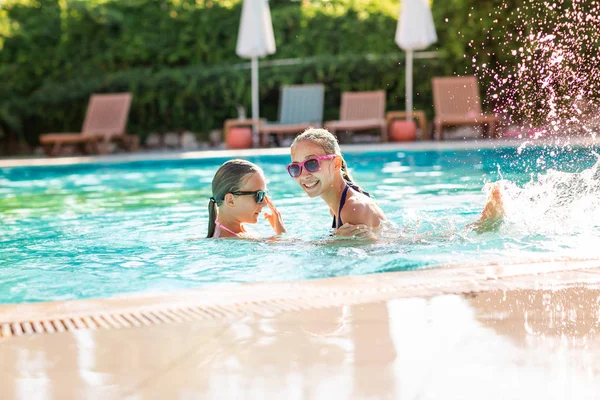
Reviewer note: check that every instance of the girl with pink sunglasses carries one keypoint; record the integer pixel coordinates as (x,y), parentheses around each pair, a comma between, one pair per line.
(319,168)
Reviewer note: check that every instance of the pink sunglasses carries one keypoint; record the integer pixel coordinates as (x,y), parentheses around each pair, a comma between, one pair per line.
(311,165)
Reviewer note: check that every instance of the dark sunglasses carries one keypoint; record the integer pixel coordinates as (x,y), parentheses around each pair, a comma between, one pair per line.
(311,165)
(259,195)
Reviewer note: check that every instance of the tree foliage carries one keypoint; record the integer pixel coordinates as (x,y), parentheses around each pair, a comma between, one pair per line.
(178,57)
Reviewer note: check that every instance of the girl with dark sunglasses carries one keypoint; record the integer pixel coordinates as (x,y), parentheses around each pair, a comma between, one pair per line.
(239,194)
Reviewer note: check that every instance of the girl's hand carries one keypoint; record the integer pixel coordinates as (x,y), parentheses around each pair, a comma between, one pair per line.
(355,231)
(274,217)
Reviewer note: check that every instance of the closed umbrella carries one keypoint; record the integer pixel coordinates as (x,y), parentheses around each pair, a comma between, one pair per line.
(415,31)
(255,39)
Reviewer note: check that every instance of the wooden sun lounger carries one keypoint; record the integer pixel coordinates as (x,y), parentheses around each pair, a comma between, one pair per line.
(361,111)
(456,102)
(105,121)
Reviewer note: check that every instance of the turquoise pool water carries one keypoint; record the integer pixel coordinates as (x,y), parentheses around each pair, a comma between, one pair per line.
(99,230)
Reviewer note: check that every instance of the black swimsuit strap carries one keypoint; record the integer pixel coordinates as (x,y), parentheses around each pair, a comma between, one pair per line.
(353,186)
(337,223)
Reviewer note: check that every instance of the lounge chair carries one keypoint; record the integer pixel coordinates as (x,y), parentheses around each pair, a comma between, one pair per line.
(456,102)
(300,106)
(361,111)
(105,121)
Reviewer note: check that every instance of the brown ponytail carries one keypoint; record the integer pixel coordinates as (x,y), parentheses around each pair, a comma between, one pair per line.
(228,178)
(212,216)
(348,178)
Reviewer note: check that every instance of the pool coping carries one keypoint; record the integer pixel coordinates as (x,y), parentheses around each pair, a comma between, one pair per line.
(234,301)
(278,151)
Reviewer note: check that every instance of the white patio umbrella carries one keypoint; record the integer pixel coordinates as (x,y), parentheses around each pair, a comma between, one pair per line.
(415,31)
(255,39)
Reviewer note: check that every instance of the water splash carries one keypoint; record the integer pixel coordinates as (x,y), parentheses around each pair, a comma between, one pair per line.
(555,203)
(546,78)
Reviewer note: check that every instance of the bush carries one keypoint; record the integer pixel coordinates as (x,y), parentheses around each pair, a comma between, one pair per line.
(178,58)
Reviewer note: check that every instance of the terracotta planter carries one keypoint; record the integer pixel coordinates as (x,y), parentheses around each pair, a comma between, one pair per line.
(239,137)
(402,131)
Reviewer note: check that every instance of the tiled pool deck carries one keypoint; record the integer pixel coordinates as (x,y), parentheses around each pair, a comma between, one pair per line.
(520,329)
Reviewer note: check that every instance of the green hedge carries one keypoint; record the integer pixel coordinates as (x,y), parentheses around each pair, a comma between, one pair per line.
(178,58)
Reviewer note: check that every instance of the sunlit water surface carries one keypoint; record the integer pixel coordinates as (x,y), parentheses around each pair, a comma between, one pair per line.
(104,229)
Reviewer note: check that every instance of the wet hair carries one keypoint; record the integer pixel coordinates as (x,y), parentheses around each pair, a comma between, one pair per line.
(329,143)
(228,178)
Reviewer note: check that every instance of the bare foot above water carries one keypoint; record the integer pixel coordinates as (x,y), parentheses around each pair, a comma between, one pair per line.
(493,212)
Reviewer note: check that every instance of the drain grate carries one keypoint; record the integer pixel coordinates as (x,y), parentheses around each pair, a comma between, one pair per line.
(143,318)
(118,320)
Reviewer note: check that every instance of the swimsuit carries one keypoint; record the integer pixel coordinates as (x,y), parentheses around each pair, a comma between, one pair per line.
(221,226)
(339,222)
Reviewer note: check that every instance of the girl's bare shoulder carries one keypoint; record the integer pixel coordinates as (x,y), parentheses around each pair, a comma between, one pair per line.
(361,209)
